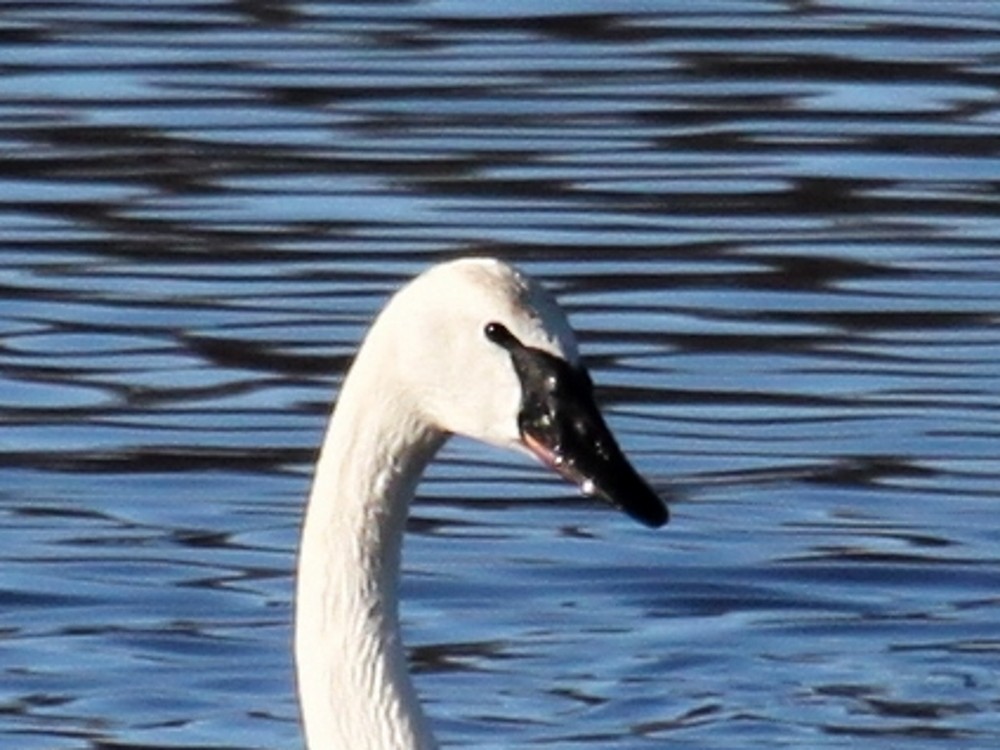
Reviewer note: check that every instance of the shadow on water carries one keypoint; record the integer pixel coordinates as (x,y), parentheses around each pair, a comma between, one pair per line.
(774,225)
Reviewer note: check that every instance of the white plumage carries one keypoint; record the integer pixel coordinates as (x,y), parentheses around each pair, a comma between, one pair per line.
(425,370)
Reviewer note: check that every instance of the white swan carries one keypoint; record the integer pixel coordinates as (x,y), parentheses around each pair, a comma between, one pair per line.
(472,347)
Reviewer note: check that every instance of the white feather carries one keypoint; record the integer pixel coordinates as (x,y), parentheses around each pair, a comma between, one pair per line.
(425,371)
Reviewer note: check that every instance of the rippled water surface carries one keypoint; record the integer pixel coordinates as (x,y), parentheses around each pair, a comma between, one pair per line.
(776,227)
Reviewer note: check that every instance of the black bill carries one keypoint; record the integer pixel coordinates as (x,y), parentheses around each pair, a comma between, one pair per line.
(561,424)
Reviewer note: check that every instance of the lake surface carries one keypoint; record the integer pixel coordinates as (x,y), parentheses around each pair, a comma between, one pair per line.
(776,226)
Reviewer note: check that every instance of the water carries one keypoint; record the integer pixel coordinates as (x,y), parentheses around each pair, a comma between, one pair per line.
(776,227)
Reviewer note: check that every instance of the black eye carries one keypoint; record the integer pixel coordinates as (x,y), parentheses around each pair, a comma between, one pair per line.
(499,335)
(494,331)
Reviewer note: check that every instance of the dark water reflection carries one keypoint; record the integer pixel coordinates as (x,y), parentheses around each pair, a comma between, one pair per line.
(775,224)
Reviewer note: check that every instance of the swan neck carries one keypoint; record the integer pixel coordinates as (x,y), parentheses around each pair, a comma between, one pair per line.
(354,684)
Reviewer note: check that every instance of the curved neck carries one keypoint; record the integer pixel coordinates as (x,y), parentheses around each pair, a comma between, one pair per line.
(354,685)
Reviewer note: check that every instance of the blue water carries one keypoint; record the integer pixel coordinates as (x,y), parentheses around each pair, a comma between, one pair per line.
(775,225)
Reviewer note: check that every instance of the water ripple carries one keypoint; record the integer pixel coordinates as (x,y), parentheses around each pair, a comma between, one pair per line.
(774,225)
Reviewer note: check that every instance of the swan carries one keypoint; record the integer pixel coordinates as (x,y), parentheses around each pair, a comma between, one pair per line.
(471,347)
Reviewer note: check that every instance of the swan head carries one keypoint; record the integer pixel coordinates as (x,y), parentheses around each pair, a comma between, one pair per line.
(484,351)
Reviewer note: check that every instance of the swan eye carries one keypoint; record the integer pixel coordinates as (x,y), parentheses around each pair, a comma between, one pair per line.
(499,335)
(493,331)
